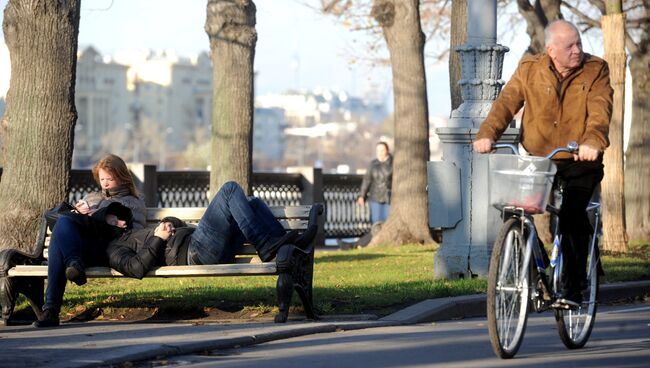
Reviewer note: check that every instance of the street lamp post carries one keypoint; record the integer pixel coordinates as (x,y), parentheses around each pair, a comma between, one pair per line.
(457,186)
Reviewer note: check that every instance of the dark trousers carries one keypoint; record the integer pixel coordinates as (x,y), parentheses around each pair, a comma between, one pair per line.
(70,241)
(230,220)
(580,179)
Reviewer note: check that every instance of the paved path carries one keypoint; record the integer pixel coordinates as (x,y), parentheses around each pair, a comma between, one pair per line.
(619,339)
(94,343)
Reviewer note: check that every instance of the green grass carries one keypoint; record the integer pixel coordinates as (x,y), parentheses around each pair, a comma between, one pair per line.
(634,265)
(378,280)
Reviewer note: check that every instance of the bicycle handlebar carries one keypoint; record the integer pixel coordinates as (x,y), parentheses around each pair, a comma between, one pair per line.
(571,147)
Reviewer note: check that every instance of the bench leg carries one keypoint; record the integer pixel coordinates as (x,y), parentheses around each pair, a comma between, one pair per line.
(285,282)
(30,287)
(10,287)
(303,276)
(8,297)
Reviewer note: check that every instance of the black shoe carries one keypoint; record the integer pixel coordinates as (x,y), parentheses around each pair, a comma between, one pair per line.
(268,251)
(76,273)
(49,318)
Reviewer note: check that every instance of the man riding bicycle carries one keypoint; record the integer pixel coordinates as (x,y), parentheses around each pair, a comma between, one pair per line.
(566,95)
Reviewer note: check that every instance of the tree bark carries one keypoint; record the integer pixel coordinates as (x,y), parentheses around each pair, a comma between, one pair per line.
(230,26)
(538,16)
(637,157)
(458,37)
(612,193)
(407,222)
(38,125)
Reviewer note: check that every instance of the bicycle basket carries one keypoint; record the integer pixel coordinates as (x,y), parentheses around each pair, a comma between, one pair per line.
(520,181)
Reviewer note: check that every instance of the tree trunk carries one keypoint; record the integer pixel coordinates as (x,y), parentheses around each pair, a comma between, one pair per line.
(231,28)
(407,222)
(458,37)
(38,125)
(538,16)
(637,157)
(612,195)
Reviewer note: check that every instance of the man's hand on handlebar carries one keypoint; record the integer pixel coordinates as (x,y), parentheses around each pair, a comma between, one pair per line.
(483,145)
(586,153)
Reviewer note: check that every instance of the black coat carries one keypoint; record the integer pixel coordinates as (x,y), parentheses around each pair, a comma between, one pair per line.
(95,227)
(378,181)
(137,252)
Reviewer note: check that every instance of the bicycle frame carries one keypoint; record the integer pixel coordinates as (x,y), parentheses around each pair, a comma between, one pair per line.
(518,277)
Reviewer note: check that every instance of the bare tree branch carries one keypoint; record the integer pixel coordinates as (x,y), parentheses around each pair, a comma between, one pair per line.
(632,47)
(598,4)
(637,23)
(591,23)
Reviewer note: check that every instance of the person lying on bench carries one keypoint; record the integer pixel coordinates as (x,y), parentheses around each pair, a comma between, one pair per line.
(230,219)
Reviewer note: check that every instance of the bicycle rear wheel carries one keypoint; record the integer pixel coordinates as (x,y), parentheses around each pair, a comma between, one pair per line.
(508,290)
(575,325)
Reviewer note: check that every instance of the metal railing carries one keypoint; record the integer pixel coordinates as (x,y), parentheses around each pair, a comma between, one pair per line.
(344,217)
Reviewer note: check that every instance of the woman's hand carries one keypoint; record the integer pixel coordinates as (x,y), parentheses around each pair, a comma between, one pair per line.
(82,207)
(164,230)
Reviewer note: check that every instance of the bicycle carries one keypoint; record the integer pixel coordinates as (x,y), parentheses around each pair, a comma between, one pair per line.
(520,187)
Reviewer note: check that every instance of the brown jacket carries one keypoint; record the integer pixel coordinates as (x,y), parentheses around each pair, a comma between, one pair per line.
(580,111)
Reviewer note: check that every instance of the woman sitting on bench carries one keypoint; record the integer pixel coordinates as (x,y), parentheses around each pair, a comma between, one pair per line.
(230,220)
(79,239)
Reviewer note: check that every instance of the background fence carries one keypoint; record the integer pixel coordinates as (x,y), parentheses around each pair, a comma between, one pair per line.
(343,217)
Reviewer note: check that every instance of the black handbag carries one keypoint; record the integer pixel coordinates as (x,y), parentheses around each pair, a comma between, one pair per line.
(52,214)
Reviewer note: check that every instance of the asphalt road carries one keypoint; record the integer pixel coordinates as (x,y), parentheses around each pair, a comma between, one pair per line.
(621,338)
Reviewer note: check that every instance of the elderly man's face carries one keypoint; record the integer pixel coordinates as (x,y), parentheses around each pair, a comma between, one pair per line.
(566,48)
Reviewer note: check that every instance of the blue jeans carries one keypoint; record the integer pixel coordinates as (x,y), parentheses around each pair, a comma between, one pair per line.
(230,220)
(378,211)
(69,241)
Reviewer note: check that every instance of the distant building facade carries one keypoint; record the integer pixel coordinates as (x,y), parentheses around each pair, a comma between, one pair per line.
(173,93)
(102,102)
(269,139)
(305,109)
(150,106)
(136,92)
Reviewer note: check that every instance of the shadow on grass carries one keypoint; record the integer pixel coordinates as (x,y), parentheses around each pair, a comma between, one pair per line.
(233,303)
(342,257)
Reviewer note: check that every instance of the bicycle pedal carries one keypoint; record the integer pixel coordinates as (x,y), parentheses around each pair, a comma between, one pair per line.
(565,304)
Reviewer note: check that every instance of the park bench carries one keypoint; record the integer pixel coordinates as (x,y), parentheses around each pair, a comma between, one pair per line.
(22,273)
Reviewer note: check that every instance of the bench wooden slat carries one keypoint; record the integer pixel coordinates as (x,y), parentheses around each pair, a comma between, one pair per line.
(247,250)
(230,269)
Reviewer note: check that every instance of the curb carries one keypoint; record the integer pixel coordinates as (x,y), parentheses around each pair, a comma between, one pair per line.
(432,310)
(426,311)
(154,351)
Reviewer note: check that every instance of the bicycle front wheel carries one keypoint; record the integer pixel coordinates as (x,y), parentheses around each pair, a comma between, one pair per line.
(575,325)
(508,290)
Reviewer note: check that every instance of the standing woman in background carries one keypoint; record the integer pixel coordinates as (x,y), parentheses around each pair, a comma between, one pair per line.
(376,185)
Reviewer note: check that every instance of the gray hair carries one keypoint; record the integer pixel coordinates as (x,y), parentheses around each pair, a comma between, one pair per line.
(551,28)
